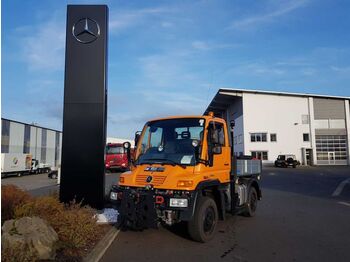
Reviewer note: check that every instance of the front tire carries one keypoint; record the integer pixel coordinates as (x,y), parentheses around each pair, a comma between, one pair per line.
(202,227)
(252,203)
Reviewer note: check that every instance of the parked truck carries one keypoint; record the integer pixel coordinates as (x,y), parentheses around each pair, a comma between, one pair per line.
(15,164)
(184,170)
(116,157)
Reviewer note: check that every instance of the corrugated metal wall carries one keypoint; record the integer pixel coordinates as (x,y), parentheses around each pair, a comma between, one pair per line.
(44,144)
(329,108)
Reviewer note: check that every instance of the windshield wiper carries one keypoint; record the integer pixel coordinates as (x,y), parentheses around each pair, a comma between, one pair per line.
(166,161)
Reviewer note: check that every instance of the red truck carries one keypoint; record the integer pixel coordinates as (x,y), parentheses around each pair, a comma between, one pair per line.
(116,157)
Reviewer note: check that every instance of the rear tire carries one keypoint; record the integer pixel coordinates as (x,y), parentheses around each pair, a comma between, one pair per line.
(202,227)
(252,203)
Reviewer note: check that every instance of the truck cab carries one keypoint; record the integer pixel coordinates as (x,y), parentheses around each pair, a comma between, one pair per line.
(116,157)
(183,172)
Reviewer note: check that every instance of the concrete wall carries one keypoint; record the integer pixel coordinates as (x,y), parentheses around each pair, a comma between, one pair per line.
(281,115)
(16,138)
(16,142)
(50,147)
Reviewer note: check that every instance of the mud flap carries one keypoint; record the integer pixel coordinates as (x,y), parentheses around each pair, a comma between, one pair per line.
(137,210)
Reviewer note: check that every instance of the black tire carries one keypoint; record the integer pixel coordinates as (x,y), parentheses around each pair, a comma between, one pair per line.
(252,203)
(202,227)
(294,166)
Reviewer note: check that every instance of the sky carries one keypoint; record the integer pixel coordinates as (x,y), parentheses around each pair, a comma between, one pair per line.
(171,57)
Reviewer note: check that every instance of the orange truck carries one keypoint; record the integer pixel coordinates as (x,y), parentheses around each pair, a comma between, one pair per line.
(184,170)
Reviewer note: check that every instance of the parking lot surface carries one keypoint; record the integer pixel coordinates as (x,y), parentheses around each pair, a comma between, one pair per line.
(39,185)
(300,218)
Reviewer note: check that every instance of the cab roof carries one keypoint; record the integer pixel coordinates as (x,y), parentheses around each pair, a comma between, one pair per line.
(206,117)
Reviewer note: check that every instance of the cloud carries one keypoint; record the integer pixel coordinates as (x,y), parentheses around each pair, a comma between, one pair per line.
(208,46)
(43,46)
(166,24)
(342,70)
(125,19)
(200,45)
(272,11)
(257,69)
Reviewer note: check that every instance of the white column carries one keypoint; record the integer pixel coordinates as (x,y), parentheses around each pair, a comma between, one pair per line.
(347,121)
(312,129)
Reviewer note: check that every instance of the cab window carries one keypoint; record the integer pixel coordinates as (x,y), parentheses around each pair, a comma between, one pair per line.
(216,134)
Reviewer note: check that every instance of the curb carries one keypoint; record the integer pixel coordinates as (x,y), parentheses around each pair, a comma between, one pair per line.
(98,251)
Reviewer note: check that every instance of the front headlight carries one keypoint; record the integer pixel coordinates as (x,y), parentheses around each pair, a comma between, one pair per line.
(113,196)
(178,202)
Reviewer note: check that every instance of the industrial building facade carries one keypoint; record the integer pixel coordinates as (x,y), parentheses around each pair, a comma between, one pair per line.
(43,144)
(315,128)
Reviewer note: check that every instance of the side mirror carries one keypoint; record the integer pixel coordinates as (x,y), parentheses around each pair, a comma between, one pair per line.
(137,137)
(210,157)
(127,146)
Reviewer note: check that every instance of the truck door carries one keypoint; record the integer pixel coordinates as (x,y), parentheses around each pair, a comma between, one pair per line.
(218,146)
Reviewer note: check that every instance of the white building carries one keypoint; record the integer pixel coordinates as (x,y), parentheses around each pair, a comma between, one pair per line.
(315,128)
(44,144)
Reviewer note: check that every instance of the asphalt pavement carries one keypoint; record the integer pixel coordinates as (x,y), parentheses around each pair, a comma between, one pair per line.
(300,218)
(41,185)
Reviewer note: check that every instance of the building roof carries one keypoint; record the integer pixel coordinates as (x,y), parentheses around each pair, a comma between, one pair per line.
(224,97)
(32,124)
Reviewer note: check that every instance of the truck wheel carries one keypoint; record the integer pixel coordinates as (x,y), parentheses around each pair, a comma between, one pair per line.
(202,227)
(252,203)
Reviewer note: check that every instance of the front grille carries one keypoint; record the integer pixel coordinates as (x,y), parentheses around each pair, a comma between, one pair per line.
(156,181)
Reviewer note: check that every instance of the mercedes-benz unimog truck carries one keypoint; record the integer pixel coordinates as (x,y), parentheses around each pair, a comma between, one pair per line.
(184,170)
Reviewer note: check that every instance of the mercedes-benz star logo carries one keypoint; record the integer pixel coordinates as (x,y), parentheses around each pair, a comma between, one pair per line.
(86,30)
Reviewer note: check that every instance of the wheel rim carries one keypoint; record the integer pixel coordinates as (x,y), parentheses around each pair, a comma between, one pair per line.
(253,202)
(209,220)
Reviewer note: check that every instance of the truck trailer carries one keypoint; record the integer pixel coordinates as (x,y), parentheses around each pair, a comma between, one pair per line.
(184,170)
(15,164)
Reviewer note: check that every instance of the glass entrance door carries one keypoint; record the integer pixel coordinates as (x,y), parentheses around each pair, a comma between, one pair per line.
(331,158)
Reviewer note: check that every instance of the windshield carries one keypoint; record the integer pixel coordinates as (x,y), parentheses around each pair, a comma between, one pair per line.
(114,150)
(170,141)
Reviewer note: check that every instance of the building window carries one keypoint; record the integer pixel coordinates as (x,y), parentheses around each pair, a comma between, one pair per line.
(306,137)
(258,137)
(305,119)
(26,144)
(260,155)
(273,137)
(216,134)
(5,136)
